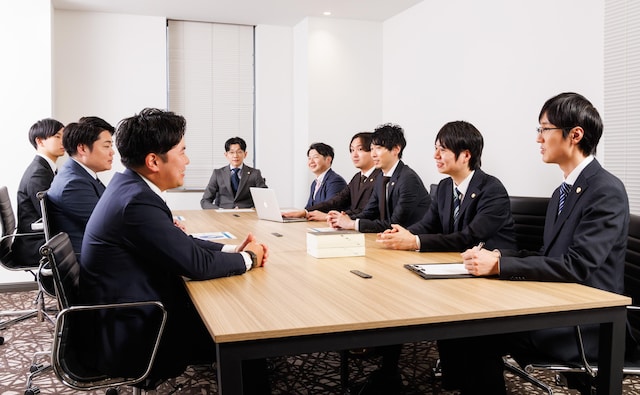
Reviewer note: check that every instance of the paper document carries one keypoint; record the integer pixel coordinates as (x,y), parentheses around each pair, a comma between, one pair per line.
(213,236)
(235,210)
(439,270)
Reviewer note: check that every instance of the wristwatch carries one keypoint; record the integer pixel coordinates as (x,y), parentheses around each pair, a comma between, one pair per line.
(254,258)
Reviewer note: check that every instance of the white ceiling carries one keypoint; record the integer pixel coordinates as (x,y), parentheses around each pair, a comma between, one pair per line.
(247,12)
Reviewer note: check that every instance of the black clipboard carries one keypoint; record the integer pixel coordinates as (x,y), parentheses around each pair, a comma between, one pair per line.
(439,270)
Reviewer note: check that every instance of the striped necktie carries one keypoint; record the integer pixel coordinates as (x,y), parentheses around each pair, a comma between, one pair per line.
(564,191)
(235,180)
(456,208)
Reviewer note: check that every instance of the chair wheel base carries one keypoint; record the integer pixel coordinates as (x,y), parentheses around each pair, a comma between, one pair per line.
(32,391)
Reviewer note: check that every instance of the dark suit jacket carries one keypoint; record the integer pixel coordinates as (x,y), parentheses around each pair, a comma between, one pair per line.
(219,193)
(408,201)
(133,252)
(352,198)
(70,201)
(485,215)
(586,244)
(332,183)
(37,177)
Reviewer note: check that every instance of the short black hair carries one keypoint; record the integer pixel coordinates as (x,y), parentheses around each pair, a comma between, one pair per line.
(235,140)
(77,133)
(44,129)
(322,148)
(389,135)
(98,122)
(458,136)
(568,110)
(151,131)
(365,140)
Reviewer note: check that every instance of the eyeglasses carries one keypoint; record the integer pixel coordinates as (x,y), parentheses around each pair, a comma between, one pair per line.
(238,152)
(540,129)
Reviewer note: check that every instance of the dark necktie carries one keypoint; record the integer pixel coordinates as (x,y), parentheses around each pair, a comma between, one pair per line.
(383,198)
(235,180)
(564,191)
(456,208)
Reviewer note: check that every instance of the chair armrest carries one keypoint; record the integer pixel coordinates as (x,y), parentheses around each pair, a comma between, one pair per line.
(38,225)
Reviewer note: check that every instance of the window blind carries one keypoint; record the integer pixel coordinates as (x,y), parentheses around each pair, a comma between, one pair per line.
(211,83)
(622,94)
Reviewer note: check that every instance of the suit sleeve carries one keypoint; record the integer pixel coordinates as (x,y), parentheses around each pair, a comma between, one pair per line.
(340,201)
(40,181)
(259,180)
(149,227)
(408,192)
(593,234)
(210,193)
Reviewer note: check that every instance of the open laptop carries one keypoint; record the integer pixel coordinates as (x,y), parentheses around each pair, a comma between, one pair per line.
(264,199)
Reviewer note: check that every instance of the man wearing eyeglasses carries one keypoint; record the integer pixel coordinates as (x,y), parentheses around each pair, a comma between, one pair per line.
(585,239)
(229,185)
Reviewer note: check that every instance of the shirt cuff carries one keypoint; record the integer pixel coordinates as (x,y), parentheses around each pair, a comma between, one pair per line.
(418,243)
(356,226)
(247,260)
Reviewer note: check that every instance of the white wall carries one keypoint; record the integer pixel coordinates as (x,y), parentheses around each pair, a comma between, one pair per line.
(25,97)
(492,63)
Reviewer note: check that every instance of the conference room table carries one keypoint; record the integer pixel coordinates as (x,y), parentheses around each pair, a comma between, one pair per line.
(300,304)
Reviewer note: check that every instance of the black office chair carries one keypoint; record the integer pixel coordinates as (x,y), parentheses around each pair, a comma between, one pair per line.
(44,276)
(9,262)
(586,370)
(529,216)
(69,358)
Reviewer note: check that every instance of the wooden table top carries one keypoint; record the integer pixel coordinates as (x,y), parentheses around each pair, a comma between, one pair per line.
(297,294)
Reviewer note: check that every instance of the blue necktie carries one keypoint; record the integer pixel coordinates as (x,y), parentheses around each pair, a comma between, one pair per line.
(564,191)
(456,208)
(235,180)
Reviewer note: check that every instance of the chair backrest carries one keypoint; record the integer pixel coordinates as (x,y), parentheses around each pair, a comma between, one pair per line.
(632,271)
(8,221)
(46,227)
(65,267)
(529,216)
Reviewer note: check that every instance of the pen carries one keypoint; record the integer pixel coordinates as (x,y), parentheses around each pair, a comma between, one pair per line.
(480,245)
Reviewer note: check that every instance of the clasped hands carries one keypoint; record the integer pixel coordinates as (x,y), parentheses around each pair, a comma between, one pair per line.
(250,244)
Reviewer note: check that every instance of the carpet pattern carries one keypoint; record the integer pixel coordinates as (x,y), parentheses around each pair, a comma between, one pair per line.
(307,374)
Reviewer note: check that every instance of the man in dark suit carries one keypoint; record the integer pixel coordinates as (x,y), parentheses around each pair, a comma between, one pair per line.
(585,240)
(229,185)
(46,137)
(483,213)
(76,190)
(132,251)
(399,197)
(327,183)
(355,195)
(470,206)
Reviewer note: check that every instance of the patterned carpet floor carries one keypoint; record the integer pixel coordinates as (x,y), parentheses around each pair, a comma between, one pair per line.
(308,374)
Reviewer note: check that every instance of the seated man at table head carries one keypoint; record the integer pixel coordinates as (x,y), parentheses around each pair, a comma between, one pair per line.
(132,251)
(470,206)
(327,183)
(399,197)
(76,189)
(46,137)
(355,195)
(585,239)
(229,185)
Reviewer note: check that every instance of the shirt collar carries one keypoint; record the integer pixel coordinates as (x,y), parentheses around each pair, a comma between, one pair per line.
(575,173)
(368,173)
(91,172)
(464,185)
(393,169)
(239,167)
(321,177)
(51,163)
(153,186)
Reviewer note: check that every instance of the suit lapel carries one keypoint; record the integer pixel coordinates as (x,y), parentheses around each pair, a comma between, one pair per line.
(571,201)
